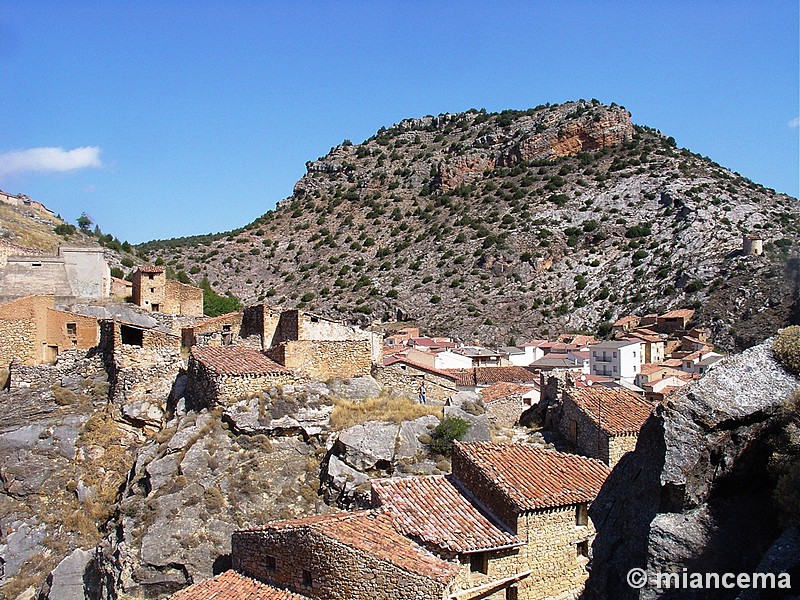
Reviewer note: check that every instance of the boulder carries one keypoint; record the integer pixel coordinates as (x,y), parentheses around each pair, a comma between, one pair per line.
(67,580)
(368,446)
(695,494)
(408,444)
(479,424)
(355,388)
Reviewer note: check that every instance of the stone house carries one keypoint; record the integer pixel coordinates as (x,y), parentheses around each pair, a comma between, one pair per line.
(143,363)
(653,345)
(223,330)
(230,585)
(33,331)
(153,291)
(343,556)
(510,522)
(73,273)
(602,422)
(541,496)
(121,289)
(220,375)
(315,346)
(505,402)
(401,376)
(625,324)
(674,320)
(752,244)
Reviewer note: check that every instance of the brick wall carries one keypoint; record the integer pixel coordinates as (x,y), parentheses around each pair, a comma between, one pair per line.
(338,571)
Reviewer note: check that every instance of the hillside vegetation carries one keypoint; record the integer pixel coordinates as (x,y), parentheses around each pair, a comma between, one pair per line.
(506,226)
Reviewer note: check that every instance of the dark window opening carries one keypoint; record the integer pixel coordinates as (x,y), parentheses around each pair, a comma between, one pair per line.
(226,328)
(72,329)
(512,593)
(479,563)
(582,548)
(131,336)
(315,319)
(36,264)
(307,580)
(150,275)
(152,290)
(270,563)
(155,307)
(581,515)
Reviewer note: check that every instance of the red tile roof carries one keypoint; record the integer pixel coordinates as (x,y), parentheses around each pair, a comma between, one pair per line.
(487,375)
(626,319)
(231,585)
(533,478)
(435,511)
(616,411)
(236,360)
(503,390)
(373,532)
(680,313)
(151,269)
(400,358)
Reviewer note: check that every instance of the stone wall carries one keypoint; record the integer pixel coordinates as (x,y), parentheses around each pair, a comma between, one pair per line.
(206,388)
(182,299)
(551,552)
(18,341)
(337,571)
(86,330)
(70,363)
(620,445)
(141,377)
(223,330)
(591,440)
(405,382)
(324,360)
(482,488)
(505,412)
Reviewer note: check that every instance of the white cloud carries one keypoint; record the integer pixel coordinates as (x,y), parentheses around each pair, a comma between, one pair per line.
(46,160)
(794,122)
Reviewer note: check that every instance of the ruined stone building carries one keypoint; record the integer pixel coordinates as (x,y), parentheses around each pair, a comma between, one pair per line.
(224,330)
(72,274)
(602,422)
(33,331)
(510,522)
(154,291)
(221,375)
(312,345)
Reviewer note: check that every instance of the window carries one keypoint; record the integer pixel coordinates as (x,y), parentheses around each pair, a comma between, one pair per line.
(270,563)
(72,329)
(226,328)
(479,563)
(155,307)
(36,264)
(581,515)
(582,548)
(131,336)
(152,290)
(307,580)
(614,355)
(512,593)
(150,276)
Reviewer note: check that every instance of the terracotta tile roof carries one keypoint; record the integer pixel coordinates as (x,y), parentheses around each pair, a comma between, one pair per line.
(488,375)
(435,511)
(616,411)
(645,337)
(503,390)
(151,269)
(236,360)
(626,319)
(231,585)
(680,313)
(533,478)
(672,362)
(373,532)
(400,358)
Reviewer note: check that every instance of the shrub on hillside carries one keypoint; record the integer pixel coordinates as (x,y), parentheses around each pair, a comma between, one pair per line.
(446,432)
(787,348)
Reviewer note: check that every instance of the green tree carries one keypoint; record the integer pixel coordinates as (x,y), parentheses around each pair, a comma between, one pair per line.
(446,432)
(214,304)
(84,222)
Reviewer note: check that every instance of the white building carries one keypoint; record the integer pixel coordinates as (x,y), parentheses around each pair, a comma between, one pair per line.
(617,359)
(447,359)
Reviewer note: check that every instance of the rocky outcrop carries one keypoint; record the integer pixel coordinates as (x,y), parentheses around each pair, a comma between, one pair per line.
(696,493)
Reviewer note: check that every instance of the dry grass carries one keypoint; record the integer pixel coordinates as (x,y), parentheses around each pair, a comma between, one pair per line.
(30,233)
(347,413)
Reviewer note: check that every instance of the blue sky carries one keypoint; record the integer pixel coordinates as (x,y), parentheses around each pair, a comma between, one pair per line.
(162,119)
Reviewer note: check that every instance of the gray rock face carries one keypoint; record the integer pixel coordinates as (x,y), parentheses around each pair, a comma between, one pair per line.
(66,581)
(479,424)
(695,493)
(368,445)
(355,388)
(408,444)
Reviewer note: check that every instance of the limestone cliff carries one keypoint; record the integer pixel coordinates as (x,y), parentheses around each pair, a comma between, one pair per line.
(698,492)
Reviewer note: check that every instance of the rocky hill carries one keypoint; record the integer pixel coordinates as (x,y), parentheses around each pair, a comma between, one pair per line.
(512,225)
